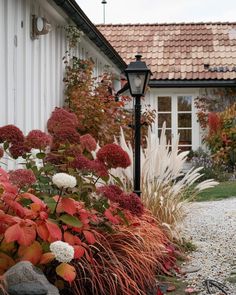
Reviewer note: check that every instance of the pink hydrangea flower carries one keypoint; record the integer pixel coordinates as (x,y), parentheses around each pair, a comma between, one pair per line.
(11,134)
(113,156)
(88,142)
(38,140)
(22,177)
(61,117)
(18,149)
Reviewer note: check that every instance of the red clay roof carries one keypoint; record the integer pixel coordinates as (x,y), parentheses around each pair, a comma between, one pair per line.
(182,51)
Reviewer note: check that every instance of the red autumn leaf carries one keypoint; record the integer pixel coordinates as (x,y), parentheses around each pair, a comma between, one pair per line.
(5,261)
(34,199)
(78,251)
(69,238)
(55,233)
(159,292)
(67,205)
(113,219)
(14,205)
(42,231)
(31,253)
(89,236)
(23,234)
(46,258)
(66,271)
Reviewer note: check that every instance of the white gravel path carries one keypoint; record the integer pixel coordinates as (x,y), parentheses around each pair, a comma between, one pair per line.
(212,228)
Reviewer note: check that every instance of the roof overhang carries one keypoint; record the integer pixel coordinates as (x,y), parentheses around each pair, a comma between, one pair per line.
(76,14)
(185,84)
(191,83)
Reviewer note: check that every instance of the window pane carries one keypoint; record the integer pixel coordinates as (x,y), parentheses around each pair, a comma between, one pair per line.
(185,137)
(168,134)
(184,103)
(184,120)
(164,117)
(185,148)
(164,104)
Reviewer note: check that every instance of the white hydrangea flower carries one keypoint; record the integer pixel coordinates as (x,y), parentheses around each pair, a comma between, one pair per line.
(63,251)
(64,180)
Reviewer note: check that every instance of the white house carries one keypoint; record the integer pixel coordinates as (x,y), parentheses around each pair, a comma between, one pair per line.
(185,59)
(32,45)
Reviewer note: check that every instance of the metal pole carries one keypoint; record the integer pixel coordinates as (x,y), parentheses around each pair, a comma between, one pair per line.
(137,145)
(104,13)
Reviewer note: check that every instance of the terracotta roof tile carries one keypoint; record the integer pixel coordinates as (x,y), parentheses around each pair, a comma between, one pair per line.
(178,51)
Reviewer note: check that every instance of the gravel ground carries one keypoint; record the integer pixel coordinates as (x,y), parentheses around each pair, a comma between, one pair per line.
(212,228)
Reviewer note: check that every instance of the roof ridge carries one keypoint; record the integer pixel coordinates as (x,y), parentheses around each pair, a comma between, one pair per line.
(166,24)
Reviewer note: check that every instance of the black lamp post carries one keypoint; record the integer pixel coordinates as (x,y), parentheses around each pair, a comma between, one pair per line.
(138,76)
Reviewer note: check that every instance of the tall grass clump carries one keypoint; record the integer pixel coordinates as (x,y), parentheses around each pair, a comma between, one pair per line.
(165,186)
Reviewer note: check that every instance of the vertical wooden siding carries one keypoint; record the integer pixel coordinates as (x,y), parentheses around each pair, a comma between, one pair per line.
(31,71)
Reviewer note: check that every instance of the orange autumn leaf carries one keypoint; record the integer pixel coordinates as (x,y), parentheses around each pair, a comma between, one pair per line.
(67,205)
(5,262)
(66,271)
(42,231)
(78,251)
(54,230)
(46,258)
(89,236)
(31,253)
(22,233)
(69,238)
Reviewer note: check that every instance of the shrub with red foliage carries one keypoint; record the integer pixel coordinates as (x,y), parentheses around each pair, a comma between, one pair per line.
(113,156)
(214,122)
(11,134)
(38,140)
(88,142)
(59,118)
(22,177)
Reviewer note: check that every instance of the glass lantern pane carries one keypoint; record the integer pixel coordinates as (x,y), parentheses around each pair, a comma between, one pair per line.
(136,82)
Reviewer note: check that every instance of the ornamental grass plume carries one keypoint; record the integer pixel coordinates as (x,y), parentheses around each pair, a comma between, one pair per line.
(64,180)
(165,186)
(62,251)
(22,177)
(113,156)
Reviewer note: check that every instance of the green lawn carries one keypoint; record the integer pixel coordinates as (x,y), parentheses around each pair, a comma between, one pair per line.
(222,191)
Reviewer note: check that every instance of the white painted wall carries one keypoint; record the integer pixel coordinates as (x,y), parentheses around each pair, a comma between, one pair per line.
(31,71)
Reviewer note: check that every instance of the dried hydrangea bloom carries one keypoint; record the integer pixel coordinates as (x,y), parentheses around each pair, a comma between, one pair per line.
(18,149)
(88,142)
(131,202)
(62,251)
(113,156)
(22,177)
(111,192)
(99,168)
(64,180)
(37,139)
(61,117)
(11,134)
(66,134)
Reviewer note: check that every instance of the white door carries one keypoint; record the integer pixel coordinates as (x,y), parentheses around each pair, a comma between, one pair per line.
(177,111)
